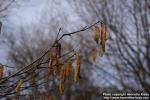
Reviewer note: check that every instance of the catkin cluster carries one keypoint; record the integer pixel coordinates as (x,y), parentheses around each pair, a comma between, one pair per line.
(100,38)
(62,67)
(100,32)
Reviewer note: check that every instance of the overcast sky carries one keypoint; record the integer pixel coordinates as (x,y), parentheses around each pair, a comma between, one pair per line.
(23,15)
(30,11)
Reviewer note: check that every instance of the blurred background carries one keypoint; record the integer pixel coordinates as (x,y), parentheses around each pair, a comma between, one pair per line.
(30,26)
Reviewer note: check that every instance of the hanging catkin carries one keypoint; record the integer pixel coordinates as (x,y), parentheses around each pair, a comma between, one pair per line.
(103,36)
(50,66)
(96,32)
(61,87)
(63,74)
(31,97)
(33,78)
(50,98)
(42,97)
(19,83)
(58,50)
(62,80)
(58,65)
(94,54)
(68,70)
(1,71)
(77,67)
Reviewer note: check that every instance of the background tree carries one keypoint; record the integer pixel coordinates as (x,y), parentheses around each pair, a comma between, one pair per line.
(4,6)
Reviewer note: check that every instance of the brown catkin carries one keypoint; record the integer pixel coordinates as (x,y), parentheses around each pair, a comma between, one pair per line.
(33,78)
(1,71)
(50,67)
(58,65)
(63,74)
(94,54)
(31,97)
(100,51)
(61,87)
(50,98)
(19,83)
(96,32)
(77,67)
(42,97)
(62,80)
(58,50)
(103,36)
(68,70)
